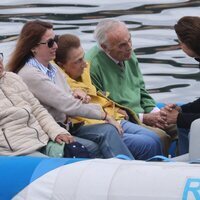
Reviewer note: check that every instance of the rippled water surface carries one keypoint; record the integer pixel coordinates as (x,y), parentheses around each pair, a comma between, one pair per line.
(170,75)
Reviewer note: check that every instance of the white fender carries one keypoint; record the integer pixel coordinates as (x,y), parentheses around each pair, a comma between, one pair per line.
(115,179)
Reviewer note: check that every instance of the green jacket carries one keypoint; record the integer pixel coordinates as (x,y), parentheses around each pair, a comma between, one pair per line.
(125,86)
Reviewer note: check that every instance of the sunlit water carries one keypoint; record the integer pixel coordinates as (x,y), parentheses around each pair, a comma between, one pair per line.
(170,75)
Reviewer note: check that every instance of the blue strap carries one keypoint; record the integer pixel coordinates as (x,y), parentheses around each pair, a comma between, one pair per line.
(161,105)
(18,172)
(159,158)
(123,157)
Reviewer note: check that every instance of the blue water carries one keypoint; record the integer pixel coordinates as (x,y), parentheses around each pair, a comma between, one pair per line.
(170,75)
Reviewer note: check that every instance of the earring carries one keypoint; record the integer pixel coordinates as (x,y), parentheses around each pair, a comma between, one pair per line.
(34,52)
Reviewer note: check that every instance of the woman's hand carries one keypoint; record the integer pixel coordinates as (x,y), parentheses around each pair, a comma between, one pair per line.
(112,121)
(123,112)
(171,113)
(64,138)
(80,94)
(171,106)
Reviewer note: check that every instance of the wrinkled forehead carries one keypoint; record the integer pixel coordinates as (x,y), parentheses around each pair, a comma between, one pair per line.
(118,30)
(119,35)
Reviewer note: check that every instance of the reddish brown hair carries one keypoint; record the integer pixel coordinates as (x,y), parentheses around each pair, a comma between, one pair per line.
(29,37)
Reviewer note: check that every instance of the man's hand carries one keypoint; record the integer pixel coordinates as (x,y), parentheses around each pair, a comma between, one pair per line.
(156,119)
(64,138)
(80,94)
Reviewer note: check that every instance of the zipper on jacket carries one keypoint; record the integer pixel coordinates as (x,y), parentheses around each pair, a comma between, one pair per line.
(27,120)
(3,130)
(32,127)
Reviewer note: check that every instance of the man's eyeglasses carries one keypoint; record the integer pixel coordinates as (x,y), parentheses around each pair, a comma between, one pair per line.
(50,42)
(1,56)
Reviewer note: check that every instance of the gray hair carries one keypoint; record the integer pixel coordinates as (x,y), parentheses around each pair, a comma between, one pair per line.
(104,27)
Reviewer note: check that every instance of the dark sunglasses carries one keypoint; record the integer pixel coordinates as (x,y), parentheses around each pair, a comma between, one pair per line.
(50,42)
(1,56)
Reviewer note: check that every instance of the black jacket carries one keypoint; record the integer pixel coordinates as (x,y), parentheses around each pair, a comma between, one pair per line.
(190,112)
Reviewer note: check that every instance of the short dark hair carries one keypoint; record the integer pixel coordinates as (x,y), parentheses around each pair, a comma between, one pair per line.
(65,43)
(188,32)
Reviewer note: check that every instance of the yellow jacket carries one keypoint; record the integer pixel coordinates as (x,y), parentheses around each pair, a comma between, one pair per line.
(109,106)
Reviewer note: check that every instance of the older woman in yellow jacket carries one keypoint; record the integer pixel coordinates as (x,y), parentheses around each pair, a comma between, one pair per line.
(89,93)
(142,142)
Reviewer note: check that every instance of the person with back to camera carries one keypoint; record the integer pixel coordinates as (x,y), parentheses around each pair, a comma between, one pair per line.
(188,32)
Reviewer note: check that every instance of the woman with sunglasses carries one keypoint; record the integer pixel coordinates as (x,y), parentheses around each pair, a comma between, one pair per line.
(35,48)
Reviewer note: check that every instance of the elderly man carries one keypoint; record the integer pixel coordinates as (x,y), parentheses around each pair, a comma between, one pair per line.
(115,71)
